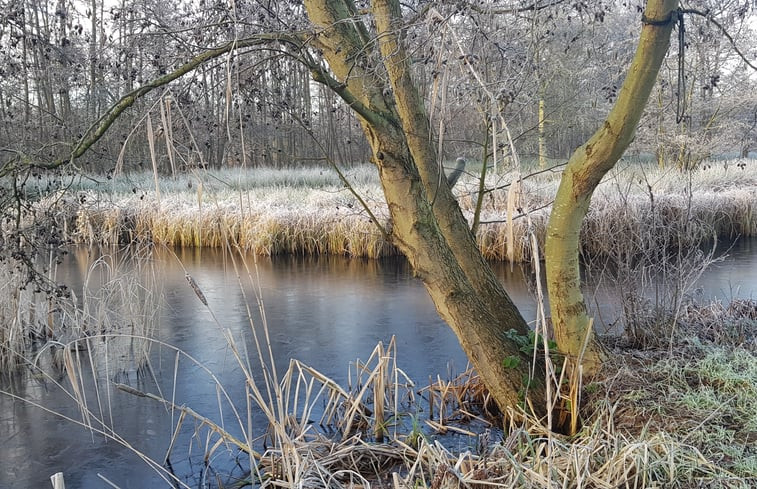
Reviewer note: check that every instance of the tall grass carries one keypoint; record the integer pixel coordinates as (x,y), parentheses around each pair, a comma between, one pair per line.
(381,429)
(120,295)
(308,211)
(322,435)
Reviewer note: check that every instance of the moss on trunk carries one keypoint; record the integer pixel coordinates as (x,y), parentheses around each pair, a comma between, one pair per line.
(585,169)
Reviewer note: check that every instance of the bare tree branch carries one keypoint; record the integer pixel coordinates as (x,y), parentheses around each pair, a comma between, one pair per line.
(534,7)
(101,126)
(723,31)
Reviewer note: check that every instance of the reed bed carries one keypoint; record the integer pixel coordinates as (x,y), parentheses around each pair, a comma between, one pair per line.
(322,435)
(264,220)
(36,325)
(309,210)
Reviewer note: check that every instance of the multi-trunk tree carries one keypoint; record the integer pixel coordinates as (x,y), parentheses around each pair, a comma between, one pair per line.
(364,55)
(427,223)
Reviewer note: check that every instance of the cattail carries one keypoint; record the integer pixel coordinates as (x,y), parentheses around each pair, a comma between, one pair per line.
(196,288)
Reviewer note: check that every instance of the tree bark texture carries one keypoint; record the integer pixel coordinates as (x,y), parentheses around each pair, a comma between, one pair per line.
(585,169)
(428,225)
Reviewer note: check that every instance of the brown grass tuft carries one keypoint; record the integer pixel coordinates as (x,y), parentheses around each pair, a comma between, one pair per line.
(300,213)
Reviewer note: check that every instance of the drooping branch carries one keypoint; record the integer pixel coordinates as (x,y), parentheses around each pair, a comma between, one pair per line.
(321,76)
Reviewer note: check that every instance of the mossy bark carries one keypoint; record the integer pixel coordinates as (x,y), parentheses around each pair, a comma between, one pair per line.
(585,169)
(428,225)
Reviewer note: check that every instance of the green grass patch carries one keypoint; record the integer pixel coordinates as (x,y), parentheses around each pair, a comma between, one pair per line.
(702,393)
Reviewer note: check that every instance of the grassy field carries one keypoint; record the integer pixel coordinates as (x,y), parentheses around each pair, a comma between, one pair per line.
(309,211)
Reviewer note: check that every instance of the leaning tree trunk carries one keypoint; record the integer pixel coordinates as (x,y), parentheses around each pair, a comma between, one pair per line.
(372,75)
(583,173)
(428,225)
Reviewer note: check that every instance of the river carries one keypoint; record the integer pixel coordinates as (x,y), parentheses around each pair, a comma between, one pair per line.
(325,311)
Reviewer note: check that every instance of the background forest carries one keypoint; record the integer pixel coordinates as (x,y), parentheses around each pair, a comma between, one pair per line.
(555,72)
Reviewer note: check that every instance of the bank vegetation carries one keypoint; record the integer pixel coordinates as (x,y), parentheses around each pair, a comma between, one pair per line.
(309,210)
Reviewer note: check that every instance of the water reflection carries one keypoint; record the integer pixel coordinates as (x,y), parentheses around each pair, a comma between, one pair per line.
(324,311)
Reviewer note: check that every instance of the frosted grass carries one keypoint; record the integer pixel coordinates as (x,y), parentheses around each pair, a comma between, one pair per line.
(309,210)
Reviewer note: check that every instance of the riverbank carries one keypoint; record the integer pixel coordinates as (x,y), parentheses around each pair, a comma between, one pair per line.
(659,417)
(309,211)
(678,412)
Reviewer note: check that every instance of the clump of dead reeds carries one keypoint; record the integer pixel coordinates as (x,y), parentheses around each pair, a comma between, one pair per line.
(116,299)
(309,210)
(530,457)
(24,316)
(658,419)
(34,309)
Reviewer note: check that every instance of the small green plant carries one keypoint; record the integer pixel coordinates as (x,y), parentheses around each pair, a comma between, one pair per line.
(511,361)
(527,342)
(591,388)
(416,434)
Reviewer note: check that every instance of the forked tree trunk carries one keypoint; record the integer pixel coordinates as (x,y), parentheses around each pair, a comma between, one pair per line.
(583,173)
(428,225)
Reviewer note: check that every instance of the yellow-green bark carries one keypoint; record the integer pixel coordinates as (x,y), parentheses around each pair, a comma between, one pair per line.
(586,167)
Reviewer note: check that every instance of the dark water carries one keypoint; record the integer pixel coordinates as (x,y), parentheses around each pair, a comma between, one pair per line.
(326,312)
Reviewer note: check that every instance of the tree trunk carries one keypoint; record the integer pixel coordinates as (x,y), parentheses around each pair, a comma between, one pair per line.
(542,135)
(428,225)
(92,89)
(583,173)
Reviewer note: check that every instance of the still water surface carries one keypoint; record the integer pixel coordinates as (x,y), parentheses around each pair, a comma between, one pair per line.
(325,311)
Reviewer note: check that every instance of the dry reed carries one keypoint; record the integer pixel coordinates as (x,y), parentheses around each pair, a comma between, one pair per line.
(309,211)
(115,299)
(367,434)
(323,435)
